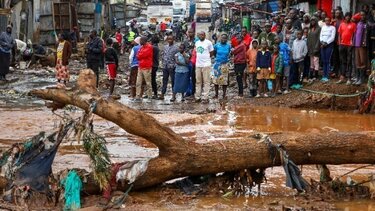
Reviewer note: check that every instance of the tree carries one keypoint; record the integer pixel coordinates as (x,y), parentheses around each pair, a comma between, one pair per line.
(179,157)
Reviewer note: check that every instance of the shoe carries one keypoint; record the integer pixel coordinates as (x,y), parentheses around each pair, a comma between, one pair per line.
(340,81)
(161,97)
(325,80)
(154,97)
(305,80)
(286,92)
(173,99)
(265,95)
(348,82)
(137,100)
(198,100)
(279,92)
(257,96)
(359,82)
(205,101)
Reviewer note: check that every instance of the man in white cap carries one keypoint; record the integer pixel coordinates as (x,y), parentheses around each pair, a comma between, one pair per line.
(6,46)
(204,50)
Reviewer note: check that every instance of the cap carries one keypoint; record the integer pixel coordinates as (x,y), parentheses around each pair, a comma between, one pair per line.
(137,40)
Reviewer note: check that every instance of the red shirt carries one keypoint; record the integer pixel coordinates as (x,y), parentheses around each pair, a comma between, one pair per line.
(118,38)
(274,28)
(145,56)
(346,33)
(246,39)
(163,26)
(239,53)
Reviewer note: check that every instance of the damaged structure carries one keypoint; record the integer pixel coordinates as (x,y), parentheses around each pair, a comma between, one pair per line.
(40,20)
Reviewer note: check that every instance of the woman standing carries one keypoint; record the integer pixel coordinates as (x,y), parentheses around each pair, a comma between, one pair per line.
(327,38)
(64,51)
(6,45)
(220,68)
(182,75)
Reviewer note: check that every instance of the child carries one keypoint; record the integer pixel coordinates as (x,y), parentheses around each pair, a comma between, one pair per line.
(284,52)
(111,61)
(251,57)
(276,70)
(263,64)
(306,62)
(299,50)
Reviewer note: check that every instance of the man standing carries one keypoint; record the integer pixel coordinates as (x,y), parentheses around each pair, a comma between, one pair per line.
(118,37)
(345,37)
(94,53)
(6,46)
(360,44)
(267,35)
(296,22)
(289,33)
(205,50)
(155,65)
(145,59)
(189,44)
(246,39)
(169,64)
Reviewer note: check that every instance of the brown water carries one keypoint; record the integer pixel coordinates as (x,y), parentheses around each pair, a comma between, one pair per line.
(232,122)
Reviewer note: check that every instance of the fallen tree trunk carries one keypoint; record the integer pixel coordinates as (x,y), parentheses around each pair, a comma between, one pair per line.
(179,157)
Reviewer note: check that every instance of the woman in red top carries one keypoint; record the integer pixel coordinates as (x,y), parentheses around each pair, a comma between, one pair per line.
(239,53)
(345,39)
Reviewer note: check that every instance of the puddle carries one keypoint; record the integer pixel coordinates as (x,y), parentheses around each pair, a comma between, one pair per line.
(233,122)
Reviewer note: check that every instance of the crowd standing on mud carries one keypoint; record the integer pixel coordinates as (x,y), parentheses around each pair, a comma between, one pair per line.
(287,52)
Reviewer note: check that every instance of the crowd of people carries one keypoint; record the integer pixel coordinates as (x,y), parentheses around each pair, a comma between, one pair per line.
(287,52)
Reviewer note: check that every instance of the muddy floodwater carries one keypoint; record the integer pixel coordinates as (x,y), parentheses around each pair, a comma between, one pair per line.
(232,121)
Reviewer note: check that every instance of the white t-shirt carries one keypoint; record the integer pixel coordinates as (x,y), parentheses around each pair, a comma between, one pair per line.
(203,49)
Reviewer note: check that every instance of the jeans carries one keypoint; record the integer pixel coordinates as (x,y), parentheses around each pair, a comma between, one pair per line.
(326,54)
(167,72)
(153,80)
(345,60)
(239,70)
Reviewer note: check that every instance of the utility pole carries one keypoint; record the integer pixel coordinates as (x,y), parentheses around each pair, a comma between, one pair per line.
(124,12)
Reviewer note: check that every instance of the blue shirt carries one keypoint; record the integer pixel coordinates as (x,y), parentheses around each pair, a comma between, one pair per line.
(222,52)
(285,53)
(135,62)
(181,68)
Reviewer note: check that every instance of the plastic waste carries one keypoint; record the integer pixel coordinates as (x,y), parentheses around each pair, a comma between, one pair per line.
(130,171)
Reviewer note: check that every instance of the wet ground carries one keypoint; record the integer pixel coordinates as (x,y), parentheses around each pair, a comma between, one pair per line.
(23,116)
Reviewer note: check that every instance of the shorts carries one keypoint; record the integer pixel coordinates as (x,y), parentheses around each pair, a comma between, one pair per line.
(286,71)
(264,73)
(111,71)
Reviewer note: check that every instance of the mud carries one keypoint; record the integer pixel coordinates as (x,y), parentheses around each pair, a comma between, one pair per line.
(23,116)
(233,121)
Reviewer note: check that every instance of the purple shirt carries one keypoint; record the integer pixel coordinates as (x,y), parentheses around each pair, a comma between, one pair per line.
(358,34)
